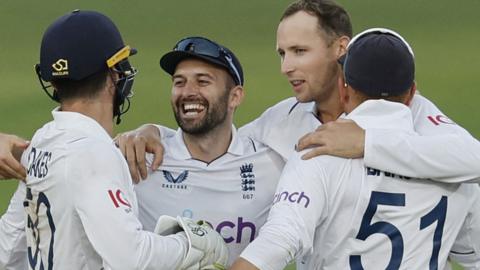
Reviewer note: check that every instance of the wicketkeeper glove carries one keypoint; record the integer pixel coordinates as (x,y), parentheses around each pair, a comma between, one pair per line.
(206,249)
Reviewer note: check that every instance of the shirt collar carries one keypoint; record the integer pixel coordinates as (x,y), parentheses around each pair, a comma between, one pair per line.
(382,114)
(180,150)
(74,120)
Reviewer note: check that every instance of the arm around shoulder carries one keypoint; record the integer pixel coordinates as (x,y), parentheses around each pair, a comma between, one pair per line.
(443,151)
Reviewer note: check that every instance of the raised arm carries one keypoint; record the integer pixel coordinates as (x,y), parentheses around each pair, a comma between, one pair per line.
(443,151)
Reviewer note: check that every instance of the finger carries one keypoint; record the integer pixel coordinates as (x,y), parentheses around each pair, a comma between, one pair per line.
(310,140)
(12,169)
(132,162)
(321,127)
(342,120)
(121,144)
(140,157)
(158,157)
(18,169)
(19,142)
(301,142)
(315,152)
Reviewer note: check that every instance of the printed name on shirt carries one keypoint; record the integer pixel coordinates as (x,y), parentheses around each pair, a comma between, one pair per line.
(376,172)
(440,119)
(247,181)
(293,197)
(175,182)
(38,161)
(118,199)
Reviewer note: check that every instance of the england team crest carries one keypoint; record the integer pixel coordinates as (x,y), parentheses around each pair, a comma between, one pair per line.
(247,180)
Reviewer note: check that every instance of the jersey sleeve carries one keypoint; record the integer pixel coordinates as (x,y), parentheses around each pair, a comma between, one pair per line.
(165,131)
(299,206)
(444,151)
(13,245)
(105,202)
(259,128)
(466,249)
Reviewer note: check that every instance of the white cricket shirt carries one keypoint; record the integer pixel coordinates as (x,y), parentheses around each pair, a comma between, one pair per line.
(334,213)
(81,205)
(233,193)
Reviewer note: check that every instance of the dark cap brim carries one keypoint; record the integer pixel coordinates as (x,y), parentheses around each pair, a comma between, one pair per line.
(170,60)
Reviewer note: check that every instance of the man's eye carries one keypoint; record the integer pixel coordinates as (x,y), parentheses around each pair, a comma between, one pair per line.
(300,51)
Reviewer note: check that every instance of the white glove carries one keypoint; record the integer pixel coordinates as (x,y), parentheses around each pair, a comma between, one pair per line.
(206,249)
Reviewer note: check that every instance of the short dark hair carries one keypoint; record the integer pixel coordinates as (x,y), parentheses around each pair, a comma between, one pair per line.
(332,18)
(85,88)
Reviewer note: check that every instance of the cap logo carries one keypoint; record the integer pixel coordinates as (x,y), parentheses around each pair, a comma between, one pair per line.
(60,68)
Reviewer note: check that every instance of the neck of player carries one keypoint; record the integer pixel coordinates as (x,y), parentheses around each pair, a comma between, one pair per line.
(211,145)
(329,108)
(99,109)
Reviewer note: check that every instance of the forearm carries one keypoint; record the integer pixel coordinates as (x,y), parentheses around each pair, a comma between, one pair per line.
(451,158)
(242,264)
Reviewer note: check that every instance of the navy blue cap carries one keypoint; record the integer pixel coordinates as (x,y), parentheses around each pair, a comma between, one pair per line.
(379,63)
(204,49)
(79,44)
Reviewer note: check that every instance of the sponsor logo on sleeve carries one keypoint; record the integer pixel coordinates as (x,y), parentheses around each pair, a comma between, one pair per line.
(118,198)
(440,119)
(292,197)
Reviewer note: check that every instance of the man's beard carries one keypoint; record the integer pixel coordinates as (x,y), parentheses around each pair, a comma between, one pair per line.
(215,114)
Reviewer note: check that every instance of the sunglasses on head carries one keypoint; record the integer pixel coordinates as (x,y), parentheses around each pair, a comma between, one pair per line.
(203,46)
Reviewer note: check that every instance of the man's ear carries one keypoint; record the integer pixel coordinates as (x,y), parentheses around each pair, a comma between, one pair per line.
(110,81)
(236,96)
(342,45)
(342,90)
(411,94)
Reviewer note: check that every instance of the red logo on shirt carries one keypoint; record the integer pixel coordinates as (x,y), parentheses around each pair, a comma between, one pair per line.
(117,198)
(440,119)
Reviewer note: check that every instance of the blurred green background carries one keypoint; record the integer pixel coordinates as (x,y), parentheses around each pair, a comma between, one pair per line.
(444,35)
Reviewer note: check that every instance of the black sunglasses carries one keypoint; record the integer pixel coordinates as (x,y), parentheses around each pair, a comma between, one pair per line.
(203,46)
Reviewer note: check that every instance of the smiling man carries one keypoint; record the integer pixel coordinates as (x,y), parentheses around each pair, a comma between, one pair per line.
(208,170)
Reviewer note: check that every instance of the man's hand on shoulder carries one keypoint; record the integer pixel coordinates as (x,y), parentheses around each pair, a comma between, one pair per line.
(11,149)
(135,144)
(341,138)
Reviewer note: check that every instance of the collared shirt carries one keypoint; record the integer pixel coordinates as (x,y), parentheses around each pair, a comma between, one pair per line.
(233,192)
(334,213)
(80,204)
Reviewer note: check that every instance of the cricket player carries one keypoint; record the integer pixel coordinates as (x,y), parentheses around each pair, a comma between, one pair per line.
(206,158)
(208,171)
(311,36)
(79,199)
(336,213)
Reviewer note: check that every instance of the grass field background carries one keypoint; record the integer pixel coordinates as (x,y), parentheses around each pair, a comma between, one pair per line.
(443,34)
